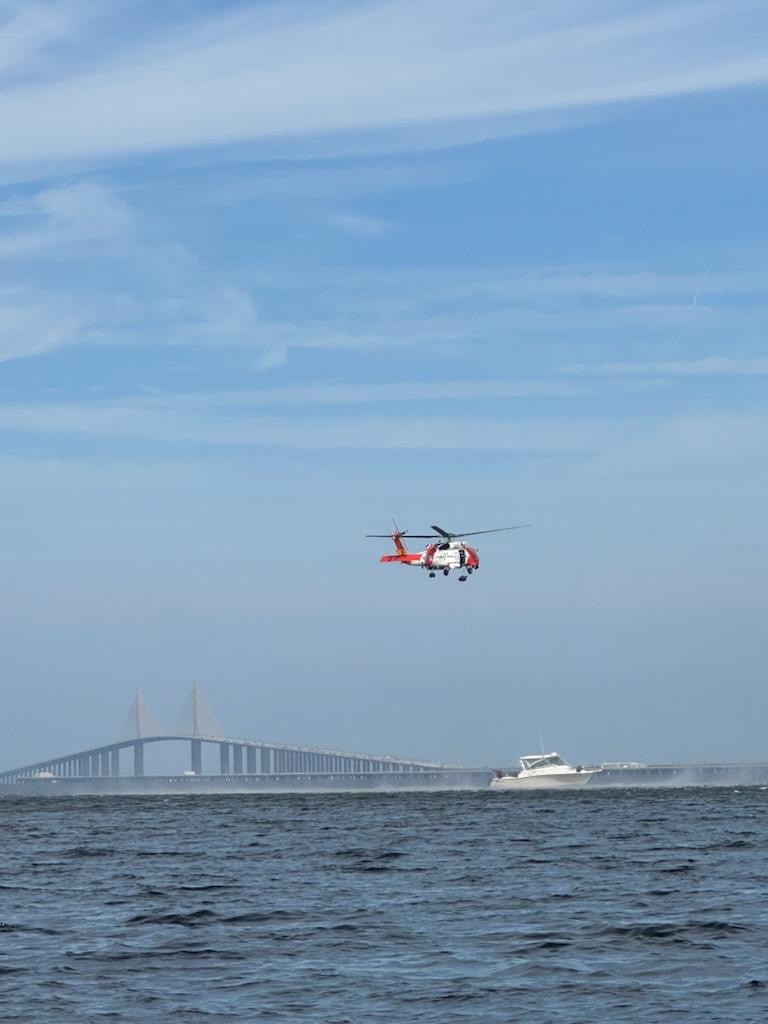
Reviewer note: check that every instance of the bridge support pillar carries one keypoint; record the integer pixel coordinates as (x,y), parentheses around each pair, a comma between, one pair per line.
(114,762)
(138,759)
(224,758)
(250,760)
(237,758)
(196,756)
(105,763)
(266,761)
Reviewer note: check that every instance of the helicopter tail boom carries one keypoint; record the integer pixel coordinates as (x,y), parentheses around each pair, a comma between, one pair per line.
(397,537)
(403,555)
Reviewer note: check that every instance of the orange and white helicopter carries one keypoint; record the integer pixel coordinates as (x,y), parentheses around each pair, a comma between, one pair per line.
(447,551)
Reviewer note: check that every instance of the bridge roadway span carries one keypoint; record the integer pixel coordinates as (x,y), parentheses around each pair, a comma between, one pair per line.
(236,757)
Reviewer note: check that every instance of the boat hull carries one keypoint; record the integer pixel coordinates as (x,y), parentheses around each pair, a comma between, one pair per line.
(549,780)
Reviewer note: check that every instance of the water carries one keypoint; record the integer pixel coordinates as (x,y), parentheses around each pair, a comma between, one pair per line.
(634,905)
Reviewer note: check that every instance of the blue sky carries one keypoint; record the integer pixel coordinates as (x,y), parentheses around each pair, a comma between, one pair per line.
(273,273)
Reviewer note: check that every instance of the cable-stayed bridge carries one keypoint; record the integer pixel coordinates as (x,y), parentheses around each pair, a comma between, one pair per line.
(251,763)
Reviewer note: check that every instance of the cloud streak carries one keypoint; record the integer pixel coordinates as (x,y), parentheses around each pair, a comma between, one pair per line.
(358,224)
(282,71)
(83,264)
(708,366)
(29,30)
(242,421)
(30,327)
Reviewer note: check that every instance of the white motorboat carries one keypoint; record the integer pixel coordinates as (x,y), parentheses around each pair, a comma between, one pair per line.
(543,771)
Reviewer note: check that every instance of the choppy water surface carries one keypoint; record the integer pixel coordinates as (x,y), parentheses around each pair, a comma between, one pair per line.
(636,905)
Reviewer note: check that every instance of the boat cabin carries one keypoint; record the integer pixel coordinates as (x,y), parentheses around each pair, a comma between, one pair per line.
(537,762)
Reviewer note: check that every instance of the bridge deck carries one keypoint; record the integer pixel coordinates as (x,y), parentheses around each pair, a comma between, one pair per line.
(237,757)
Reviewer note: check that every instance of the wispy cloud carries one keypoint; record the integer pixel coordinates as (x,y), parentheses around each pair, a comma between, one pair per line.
(29,31)
(247,405)
(358,224)
(338,182)
(105,278)
(84,264)
(432,391)
(714,437)
(279,70)
(708,366)
(31,324)
(73,214)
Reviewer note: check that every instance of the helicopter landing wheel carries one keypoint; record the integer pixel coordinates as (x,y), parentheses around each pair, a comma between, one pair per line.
(470,571)
(431,575)
(462,579)
(446,571)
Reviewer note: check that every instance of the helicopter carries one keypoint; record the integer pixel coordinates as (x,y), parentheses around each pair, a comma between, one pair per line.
(447,550)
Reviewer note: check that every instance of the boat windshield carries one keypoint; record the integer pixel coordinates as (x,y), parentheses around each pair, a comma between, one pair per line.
(539,761)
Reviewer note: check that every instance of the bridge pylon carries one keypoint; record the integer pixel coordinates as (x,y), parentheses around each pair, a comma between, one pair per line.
(196,717)
(139,721)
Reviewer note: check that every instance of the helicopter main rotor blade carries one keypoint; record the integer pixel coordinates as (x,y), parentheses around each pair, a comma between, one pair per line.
(443,533)
(499,529)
